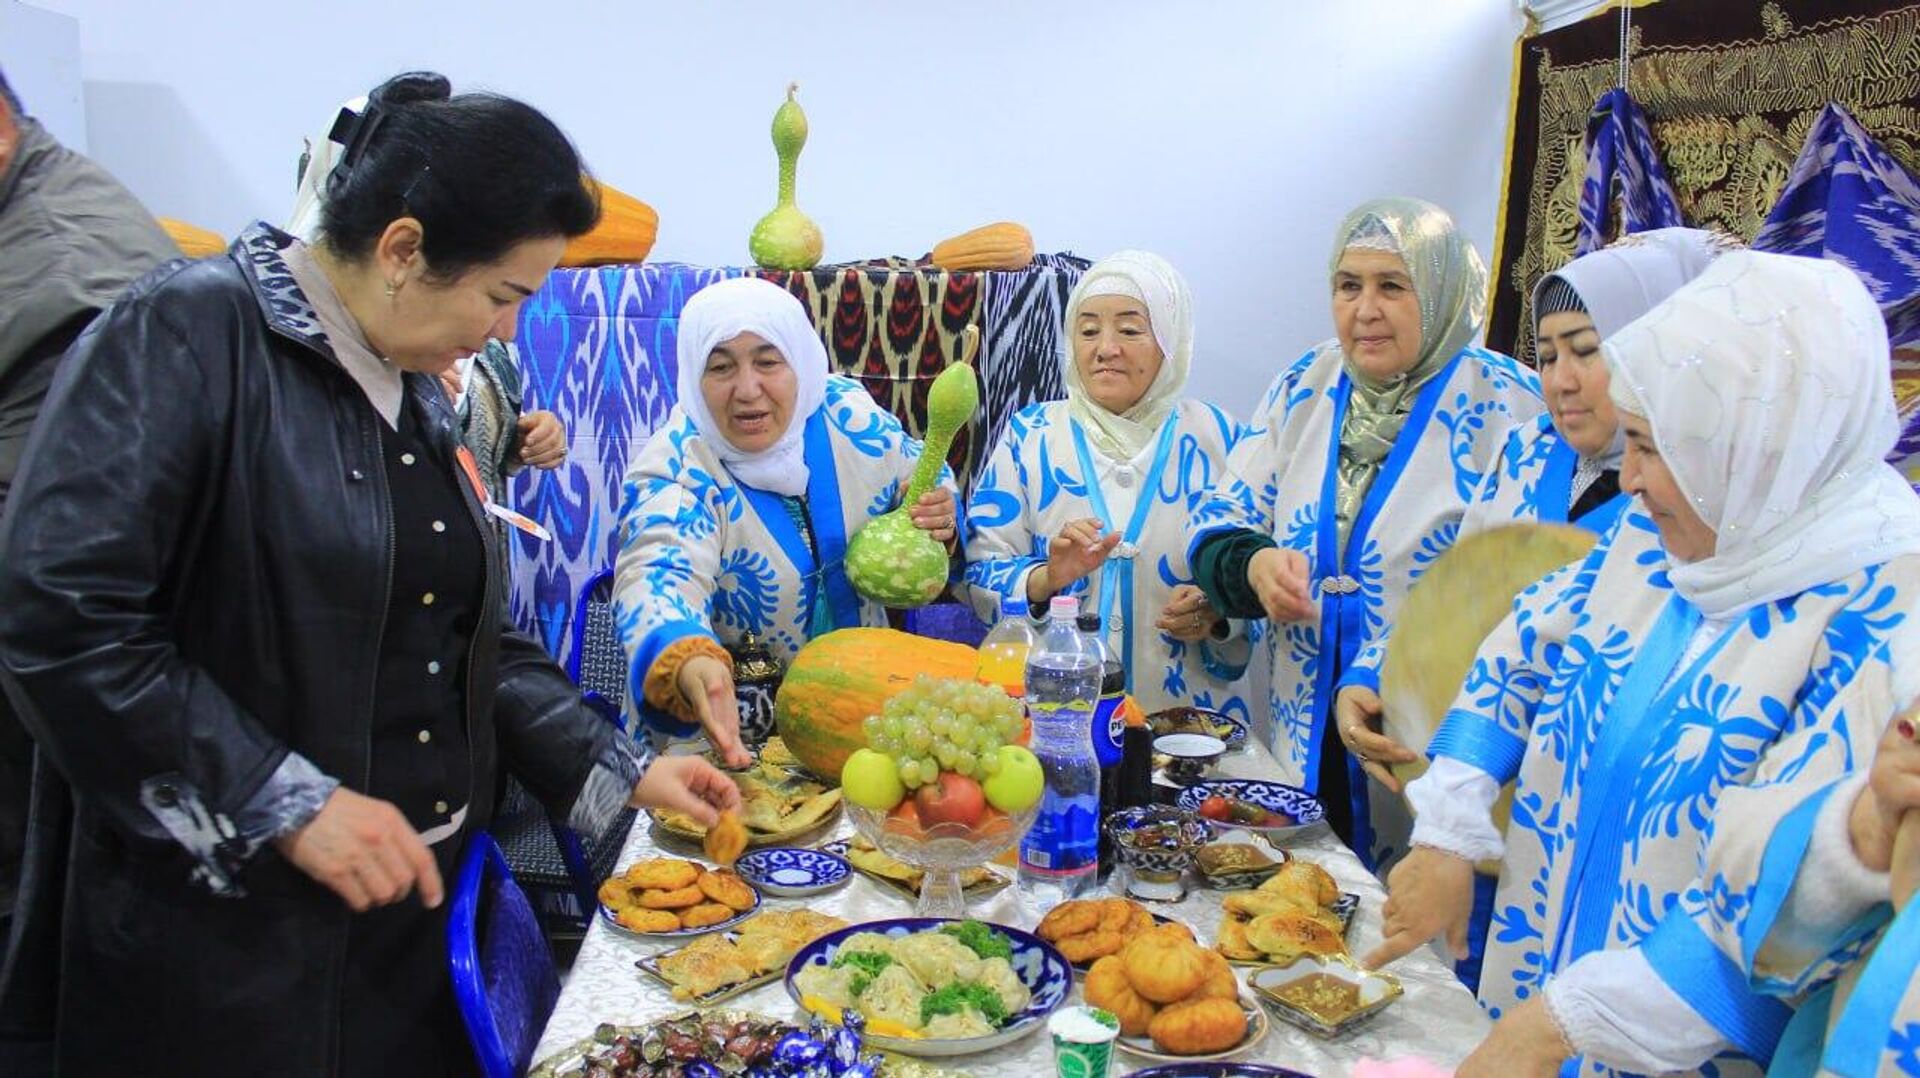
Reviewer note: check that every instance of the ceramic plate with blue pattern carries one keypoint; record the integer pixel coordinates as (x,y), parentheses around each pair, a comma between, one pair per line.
(791,871)
(1296,804)
(1047,976)
(1218,1070)
(1200,720)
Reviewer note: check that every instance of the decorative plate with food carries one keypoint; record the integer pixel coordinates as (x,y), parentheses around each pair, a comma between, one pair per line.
(779,802)
(1174,998)
(883,868)
(709,1044)
(1199,720)
(1086,930)
(1238,860)
(930,986)
(1325,995)
(724,964)
(1299,910)
(667,896)
(1272,809)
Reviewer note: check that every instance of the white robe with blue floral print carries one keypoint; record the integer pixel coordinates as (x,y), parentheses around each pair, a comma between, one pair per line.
(700,554)
(1538,706)
(1035,485)
(1284,482)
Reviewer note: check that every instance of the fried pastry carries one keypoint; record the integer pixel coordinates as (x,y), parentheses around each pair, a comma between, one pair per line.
(1199,1027)
(1088,946)
(705,915)
(1220,982)
(1280,936)
(1069,919)
(677,899)
(1117,913)
(1306,879)
(663,873)
(1232,942)
(1164,967)
(639,919)
(699,970)
(725,840)
(1107,987)
(615,892)
(726,889)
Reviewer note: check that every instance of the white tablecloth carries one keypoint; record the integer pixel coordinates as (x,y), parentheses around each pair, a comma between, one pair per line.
(1437,1019)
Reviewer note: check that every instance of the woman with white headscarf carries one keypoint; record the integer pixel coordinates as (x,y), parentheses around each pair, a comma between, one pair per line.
(1562,467)
(1089,496)
(1371,446)
(735,516)
(1768,554)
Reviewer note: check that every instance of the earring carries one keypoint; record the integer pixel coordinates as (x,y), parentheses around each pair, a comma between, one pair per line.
(391,287)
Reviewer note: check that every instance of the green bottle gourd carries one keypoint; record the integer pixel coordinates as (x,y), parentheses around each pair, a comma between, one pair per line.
(785,238)
(889,560)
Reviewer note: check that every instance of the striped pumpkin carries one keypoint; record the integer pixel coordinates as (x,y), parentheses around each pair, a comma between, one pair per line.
(839,679)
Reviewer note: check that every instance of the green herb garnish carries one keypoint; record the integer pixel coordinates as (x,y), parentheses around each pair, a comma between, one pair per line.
(981,939)
(955,998)
(869,963)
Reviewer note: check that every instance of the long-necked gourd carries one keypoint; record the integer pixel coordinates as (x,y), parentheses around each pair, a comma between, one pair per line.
(786,238)
(889,560)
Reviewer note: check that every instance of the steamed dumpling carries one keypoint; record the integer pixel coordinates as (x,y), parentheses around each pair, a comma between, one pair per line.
(833,985)
(936,958)
(966,1022)
(895,996)
(998,975)
(867,943)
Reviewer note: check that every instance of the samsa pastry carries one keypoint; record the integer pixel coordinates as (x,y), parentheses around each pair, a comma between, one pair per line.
(1305,879)
(703,967)
(1232,942)
(1107,987)
(1201,1027)
(894,996)
(1280,936)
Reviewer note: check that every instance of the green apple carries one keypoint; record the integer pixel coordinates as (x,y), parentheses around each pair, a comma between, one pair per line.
(1019,782)
(871,780)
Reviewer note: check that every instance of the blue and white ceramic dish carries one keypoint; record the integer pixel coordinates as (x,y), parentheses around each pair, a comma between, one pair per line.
(1299,805)
(1218,1070)
(613,922)
(1048,977)
(792,871)
(1200,720)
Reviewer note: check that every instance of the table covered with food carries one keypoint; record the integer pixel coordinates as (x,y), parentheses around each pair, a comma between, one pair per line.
(813,954)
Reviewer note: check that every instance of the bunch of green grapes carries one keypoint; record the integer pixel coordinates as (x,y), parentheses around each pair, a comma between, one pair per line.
(945,724)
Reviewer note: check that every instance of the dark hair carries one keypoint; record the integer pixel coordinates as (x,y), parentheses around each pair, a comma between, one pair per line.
(7,95)
(482,173)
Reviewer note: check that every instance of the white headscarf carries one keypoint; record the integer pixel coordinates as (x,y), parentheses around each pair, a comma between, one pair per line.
(304,223)
(1620,282)
(723,311)
(1154,282)
(1767,385)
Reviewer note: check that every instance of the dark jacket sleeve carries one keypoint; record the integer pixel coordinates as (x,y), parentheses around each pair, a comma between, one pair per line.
(103,517)
(1220,568)
(574,761)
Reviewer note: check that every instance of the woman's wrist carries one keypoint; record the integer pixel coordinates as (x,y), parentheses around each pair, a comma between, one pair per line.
(1039,586)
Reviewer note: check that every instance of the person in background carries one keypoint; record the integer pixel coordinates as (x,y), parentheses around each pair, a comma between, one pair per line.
(71,240)
(1366,454)
(251,621)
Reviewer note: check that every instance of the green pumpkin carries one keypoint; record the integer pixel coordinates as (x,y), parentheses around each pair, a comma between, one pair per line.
(785,238)
(889,560)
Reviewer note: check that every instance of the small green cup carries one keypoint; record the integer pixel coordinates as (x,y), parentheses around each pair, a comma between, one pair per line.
(1083,1041)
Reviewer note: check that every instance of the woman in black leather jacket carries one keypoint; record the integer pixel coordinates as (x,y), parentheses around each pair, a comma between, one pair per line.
(251,622)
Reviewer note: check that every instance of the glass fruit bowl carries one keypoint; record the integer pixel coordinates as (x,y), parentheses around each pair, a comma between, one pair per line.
(941,851)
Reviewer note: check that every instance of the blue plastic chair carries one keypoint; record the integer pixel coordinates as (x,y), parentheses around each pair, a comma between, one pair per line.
(503,976)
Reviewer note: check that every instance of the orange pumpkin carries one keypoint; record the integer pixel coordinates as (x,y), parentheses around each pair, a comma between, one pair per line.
(625,233)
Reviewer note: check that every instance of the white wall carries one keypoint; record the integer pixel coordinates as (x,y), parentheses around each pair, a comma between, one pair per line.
(40,51)
(1228,136)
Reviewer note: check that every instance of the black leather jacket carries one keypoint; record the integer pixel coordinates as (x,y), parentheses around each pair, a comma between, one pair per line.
(193,575)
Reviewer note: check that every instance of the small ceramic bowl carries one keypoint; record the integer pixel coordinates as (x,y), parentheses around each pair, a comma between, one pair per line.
(1258,860)
(791,871)
(1189,756)
(1155,845)
(1325,995)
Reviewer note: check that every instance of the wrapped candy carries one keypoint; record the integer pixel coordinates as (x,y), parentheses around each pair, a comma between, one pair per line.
(700,1068)
(798,1051)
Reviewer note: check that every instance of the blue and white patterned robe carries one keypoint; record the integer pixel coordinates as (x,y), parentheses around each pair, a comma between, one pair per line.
(1035,485)
(1858,979)
(1624,804)
(1285,478)
(701,554)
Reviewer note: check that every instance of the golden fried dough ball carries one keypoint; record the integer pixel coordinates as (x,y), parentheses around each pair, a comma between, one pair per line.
(727,889)
(1199,1028)
(1107,987)
(1220,982)
(1069,919)
(677,899)
(1164,968)
(1088,946)
(615,893)
(663,873)
(706,913)
(645,920)
(726,839)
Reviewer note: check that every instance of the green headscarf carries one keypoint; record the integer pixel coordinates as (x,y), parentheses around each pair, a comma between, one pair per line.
(1450,284)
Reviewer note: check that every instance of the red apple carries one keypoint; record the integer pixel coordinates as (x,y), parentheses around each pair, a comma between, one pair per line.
(954,799)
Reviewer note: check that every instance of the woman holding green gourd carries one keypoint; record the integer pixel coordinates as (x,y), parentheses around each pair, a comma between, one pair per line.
(737,515)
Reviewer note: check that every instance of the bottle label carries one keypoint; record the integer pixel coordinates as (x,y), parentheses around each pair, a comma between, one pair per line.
(1064,838)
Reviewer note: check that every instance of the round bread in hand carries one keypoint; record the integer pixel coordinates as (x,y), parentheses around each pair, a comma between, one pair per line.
(1199,1028)
(1107,987)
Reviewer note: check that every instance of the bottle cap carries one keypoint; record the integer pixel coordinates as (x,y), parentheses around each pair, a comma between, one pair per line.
(1063,607)
(1088,621)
